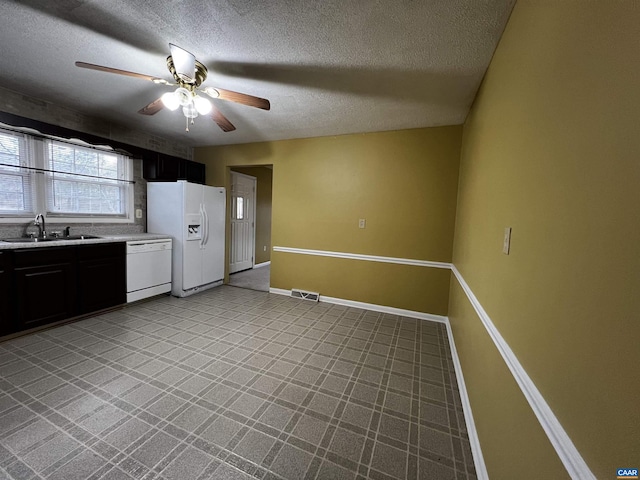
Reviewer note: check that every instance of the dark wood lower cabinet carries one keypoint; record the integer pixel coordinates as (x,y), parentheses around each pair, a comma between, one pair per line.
(102,278)
(45,286)
(6,294)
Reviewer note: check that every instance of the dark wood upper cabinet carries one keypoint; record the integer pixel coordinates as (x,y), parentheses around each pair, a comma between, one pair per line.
(165,168)
(193,172)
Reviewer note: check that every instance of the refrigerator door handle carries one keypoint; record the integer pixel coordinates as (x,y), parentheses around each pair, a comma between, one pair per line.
(203,222)
(205,238)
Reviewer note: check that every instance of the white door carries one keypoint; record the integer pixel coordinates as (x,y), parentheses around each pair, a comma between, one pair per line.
(243,194)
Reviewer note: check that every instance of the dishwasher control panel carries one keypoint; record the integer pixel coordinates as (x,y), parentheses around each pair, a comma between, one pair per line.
(148,246)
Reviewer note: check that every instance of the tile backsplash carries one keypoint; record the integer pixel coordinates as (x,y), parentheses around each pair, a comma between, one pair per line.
(24,229)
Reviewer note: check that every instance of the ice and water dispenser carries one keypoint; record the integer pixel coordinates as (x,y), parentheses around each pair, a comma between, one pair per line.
(194,227)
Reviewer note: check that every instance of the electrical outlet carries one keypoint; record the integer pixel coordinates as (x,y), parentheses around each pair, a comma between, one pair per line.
(506,243)
(138,213)
(264,249)
(362,223)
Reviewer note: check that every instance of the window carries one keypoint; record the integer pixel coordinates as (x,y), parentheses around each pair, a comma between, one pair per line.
(71,182)
(239,208)
(16,189)
(85,181)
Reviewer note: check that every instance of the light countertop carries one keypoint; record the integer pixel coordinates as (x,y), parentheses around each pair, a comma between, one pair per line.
(103,239)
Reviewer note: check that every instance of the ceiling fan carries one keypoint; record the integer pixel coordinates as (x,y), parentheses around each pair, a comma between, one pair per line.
(189,74)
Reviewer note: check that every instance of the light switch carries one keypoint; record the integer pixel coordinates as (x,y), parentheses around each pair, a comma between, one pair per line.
(506,244)
(138,213)
(362,223)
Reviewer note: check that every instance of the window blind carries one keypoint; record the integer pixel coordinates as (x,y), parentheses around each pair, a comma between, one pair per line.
(16,180)
(85,181)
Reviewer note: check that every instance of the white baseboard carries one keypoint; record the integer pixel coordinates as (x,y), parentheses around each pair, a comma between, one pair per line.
(566,450)
(263,264)
(371,306)
(384,309)
(474,440)
(280,291)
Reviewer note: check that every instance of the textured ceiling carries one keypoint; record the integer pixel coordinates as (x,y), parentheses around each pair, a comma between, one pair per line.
(328,67)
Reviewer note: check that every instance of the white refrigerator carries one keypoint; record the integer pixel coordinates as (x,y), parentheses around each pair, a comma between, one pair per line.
(193,215)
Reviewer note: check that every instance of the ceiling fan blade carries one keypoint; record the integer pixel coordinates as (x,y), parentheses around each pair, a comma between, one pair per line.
(184,63)
(101,68)
(153,108)
(222,121)
(243,98)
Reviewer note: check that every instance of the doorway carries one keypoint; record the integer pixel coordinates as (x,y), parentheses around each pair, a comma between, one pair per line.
(254,275)
(243,200)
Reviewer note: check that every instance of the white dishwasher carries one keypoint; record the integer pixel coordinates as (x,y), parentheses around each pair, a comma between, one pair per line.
(148,268)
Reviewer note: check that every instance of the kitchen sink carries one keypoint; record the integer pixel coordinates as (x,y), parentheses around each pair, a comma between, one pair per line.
(78,237)
(48,239)
(27,240)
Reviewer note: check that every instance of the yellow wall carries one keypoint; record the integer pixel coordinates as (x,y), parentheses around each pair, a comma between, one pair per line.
(551,150)
(403,183)
(264,177)
(514,445)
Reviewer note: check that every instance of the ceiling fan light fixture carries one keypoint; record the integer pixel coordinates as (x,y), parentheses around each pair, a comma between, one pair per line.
(190,111)
(212,92)
(171,101)
(184,96)
(203,106)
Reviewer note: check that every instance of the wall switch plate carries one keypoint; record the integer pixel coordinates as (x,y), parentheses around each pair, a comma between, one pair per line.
(138,213)
(362,223)
(506,244)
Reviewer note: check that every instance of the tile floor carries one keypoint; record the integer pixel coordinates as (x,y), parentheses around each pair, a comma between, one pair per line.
(253,279)
(232,384)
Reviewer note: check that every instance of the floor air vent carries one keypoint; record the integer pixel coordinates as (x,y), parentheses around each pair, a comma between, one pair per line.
(312,296)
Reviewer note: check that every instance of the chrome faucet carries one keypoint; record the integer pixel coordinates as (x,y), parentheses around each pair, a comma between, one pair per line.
(39,221)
